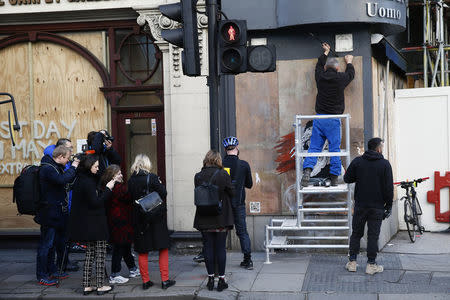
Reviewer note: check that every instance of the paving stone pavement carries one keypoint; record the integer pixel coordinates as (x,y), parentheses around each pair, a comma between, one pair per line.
(407,276)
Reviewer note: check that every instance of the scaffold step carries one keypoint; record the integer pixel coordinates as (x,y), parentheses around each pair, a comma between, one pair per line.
(324,203)
(289,223)
(279,240)
(318,237)
(324,220)
(323,209)
(341,188)
(325,227)
(311,246)
(322,154)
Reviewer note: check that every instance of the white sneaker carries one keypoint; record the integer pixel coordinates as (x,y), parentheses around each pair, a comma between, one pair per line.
(373,268)
(117,279)
(351,266)
(134,274)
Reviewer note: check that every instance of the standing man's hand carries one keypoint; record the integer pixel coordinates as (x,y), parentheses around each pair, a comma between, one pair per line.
(326,48)
(349,59)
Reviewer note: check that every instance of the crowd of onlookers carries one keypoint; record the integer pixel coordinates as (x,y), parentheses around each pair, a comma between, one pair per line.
(85,199)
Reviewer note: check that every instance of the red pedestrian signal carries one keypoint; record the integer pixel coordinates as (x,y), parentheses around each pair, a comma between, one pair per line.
(233,46)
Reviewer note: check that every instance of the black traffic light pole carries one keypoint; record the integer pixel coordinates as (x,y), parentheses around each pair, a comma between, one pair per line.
(213,78)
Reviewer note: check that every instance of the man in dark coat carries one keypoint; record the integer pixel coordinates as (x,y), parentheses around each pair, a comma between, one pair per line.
(329,101)
(241,178)
(52,212)
(374,191)
(101,143)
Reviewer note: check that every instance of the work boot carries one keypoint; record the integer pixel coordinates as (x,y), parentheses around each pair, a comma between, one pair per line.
(221,285)
(247,263)
(351,266)
(210,284)
(306,177)
(373,268)
(334,180)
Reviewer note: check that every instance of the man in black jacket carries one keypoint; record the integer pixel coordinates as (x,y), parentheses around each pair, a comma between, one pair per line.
(241,178)
(53,212)
(329,101)
(374,191)
(101,143)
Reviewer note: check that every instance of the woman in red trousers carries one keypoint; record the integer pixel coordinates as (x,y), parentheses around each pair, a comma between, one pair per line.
(150,233)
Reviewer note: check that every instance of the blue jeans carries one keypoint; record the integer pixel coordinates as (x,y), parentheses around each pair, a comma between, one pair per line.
(241,229)
(325,129)
(51,241)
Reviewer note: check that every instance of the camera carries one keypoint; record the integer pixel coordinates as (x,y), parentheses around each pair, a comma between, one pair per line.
(107,136)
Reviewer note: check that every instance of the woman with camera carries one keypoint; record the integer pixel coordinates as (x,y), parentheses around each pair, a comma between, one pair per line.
(88,224)
(215,227)
(119,212)
(150,229)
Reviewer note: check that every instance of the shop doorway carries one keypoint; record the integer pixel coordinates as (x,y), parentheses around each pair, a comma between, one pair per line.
(142,132)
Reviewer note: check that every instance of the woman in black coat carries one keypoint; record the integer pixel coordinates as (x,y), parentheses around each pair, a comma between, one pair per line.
(88,224)
(150,233)
(215,228)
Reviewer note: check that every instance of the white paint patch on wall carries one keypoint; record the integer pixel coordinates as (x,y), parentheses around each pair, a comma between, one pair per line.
(422,119)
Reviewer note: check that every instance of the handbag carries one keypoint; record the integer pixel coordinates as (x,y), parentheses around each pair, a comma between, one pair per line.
(151,202)
(207,198)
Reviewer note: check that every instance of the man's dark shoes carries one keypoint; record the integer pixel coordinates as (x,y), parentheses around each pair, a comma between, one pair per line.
(168,283)
(147,285)
(334,180)
(247,263)
(210,284)
(199,258)
(221,285)
(306,177)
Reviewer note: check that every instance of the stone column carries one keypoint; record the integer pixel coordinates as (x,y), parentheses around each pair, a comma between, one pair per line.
(186,115)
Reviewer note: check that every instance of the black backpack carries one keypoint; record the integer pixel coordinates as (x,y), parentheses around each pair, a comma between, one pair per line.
(26,191)
(207,198)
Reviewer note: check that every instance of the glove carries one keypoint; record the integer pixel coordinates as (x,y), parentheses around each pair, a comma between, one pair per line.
(387,213)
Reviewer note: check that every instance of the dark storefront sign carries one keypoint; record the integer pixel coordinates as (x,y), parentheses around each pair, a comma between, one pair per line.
(385,16)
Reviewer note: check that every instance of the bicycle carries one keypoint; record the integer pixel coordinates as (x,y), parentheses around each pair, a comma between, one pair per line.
(413,211)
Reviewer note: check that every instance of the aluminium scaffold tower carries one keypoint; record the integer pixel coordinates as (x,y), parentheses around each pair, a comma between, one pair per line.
(435,46)
(279,234)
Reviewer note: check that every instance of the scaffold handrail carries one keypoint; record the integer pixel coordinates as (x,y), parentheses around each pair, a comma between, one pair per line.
(302,117)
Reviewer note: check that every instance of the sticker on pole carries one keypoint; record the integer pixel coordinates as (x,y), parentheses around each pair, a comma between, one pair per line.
(127,121)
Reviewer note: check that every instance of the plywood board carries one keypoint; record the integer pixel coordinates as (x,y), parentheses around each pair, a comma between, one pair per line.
(57,95)
(266,105)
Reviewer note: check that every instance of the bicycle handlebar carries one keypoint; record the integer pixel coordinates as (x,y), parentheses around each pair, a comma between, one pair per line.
(415,181)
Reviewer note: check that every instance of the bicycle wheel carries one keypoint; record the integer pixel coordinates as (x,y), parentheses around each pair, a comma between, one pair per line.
(419,226)
(410,220)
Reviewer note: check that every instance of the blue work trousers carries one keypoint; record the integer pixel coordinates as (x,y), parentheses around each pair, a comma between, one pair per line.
(325,129)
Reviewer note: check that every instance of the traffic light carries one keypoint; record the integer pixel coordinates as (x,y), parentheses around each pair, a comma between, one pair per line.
(184,12)
(262,58)
(233,46)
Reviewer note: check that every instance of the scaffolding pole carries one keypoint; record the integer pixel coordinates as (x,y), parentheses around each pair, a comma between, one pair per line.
(435,48)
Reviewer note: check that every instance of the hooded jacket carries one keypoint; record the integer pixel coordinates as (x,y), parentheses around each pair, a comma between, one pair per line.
(331,84)
(374,182)
(53,204)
